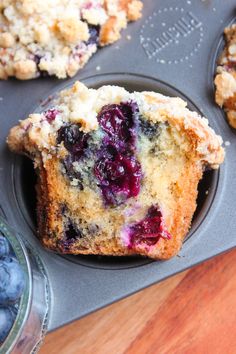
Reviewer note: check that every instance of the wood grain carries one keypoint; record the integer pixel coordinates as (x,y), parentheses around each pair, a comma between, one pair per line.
(192,312)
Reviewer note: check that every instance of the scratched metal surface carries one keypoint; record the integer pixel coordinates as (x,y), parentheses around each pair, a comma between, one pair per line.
(172,49)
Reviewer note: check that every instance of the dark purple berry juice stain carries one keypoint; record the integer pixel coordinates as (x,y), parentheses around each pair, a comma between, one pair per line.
(148,231)
(117,169)
(149,129)
(71,234)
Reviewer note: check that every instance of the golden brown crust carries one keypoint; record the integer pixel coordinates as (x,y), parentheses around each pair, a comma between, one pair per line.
(186,144)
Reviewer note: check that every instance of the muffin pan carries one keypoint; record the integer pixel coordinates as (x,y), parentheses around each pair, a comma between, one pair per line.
(172,50)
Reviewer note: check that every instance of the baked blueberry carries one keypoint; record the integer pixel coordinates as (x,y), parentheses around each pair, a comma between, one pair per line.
(149,230)
(93,34)
(150,129)
(119,177)
(75,141)
(70,171)
(119,122)
(72,232)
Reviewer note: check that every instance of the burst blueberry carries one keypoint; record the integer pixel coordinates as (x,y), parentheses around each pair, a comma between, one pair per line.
(149,230)
(75,141)
(117,169)
(119,177)
(72,232)
(51,114)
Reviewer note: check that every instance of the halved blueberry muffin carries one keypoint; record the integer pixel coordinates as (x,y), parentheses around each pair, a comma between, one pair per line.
(225,79)
(57,37)
(117,172)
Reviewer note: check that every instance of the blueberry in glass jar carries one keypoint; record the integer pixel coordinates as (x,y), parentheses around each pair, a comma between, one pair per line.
(7,319)
(4,246)
(12,283)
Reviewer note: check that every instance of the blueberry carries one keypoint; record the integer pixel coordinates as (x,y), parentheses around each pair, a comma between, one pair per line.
(51,114)
(149,230)
(117,169)
(12,281)
(151,130)
(37,59)
(93,34)
(7,318)
(119,177)
(70,171)
(72,232)
(119,121)
(75,141)
(4,246)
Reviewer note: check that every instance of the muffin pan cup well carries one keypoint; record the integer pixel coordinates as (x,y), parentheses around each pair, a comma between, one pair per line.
(172,51)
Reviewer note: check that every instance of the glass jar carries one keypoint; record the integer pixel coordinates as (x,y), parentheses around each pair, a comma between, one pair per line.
(30,325)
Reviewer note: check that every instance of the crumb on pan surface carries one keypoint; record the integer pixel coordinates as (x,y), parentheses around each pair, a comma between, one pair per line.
(225,80)
(57,37)
(117,172)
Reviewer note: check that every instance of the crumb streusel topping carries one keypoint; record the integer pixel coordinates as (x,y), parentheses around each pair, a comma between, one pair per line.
(81,105)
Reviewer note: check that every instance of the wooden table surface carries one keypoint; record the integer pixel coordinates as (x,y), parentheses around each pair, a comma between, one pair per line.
(192,312)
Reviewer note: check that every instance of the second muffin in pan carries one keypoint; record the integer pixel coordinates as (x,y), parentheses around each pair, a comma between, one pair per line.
(57,37)
(118,171)
(225,79)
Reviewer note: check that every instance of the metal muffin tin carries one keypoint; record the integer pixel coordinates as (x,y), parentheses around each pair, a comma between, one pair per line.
(171,50)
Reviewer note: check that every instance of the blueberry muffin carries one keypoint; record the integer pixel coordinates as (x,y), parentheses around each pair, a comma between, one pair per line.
(118,172)
(225,79)
(57,37)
